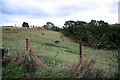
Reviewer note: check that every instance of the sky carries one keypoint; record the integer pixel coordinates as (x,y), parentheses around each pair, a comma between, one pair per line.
(38,12)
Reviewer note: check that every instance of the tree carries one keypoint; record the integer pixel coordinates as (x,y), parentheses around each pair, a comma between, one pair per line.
(49,25)
(68,28)
(25,24)
(74,29)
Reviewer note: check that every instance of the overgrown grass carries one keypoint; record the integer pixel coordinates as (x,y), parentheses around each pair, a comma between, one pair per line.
(13,71)
(59,58)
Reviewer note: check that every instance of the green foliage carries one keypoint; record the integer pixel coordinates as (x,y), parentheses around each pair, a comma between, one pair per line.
(93,32)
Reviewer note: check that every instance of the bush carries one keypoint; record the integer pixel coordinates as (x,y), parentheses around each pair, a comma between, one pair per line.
(93,32)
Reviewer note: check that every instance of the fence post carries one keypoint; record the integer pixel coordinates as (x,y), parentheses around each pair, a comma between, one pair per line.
(26,44)
(80,46)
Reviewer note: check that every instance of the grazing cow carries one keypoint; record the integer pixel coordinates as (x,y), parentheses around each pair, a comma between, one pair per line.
(60,36)
(2,53)
(57,41)
(42,33)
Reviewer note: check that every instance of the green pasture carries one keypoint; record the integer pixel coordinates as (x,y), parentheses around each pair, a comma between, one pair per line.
(58,57)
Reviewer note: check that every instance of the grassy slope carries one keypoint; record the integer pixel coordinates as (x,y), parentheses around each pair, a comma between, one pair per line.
(59,57)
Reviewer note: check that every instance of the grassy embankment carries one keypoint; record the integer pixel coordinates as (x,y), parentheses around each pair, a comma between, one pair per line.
(57,57)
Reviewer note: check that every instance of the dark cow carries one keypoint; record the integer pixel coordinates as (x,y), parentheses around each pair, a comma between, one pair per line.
(42,33)
(60,36)
(57,41)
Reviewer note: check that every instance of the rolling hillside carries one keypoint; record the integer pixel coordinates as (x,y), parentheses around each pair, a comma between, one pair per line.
(59,58)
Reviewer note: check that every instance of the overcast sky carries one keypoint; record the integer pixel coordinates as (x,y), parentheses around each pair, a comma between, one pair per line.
(38,12)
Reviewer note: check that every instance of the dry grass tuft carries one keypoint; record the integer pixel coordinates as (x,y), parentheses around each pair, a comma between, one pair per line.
(29,59)
(86,69)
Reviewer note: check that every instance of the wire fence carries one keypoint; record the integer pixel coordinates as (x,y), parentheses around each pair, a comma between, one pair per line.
(102,45)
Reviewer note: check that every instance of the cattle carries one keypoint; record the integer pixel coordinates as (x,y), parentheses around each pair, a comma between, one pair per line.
(57,41)
(60,36)
(2,53)
(42,33)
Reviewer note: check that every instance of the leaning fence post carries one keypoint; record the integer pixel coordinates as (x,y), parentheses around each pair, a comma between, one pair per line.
(80,46)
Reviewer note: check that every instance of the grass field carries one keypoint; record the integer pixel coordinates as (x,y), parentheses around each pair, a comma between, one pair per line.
(59,58)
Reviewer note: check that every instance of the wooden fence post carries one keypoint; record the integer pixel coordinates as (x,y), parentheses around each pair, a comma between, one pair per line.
(80,46)
(31,55)
(26,44)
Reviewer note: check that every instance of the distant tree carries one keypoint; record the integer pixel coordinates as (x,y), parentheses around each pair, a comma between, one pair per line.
(49,25)
(25,24)
(68,28)
(75,29)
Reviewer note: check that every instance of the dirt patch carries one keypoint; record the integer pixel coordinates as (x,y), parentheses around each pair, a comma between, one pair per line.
(53,45)
(49,44)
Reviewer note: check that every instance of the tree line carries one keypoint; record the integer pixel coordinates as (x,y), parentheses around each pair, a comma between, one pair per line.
(95,33)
